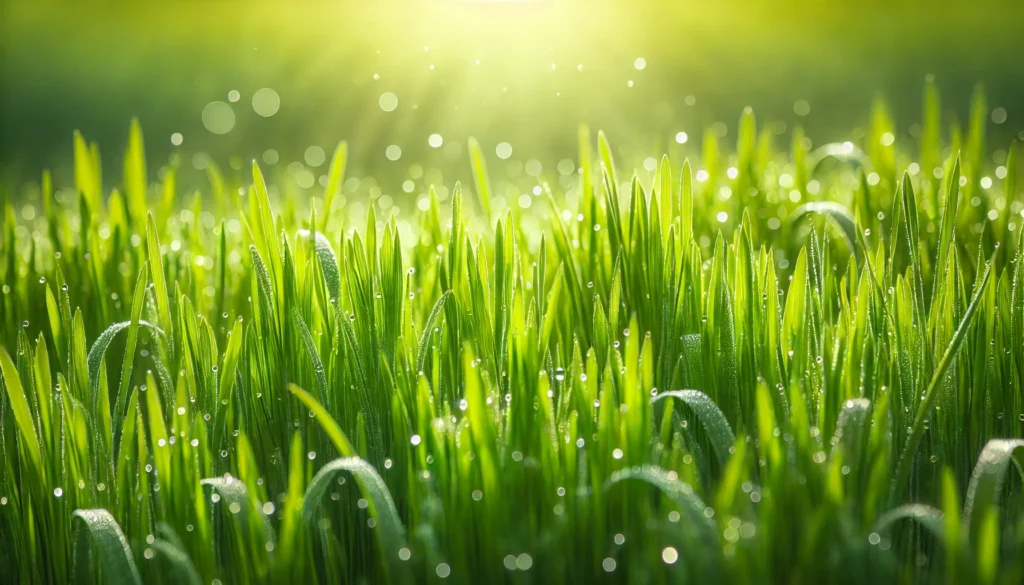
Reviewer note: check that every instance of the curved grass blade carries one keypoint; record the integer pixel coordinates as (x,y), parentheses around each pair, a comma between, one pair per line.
(328,263)
(390,530)
(99,348)
(97,535)
(231,491)
(171,550)
(181,569)
(927,516)
(842,152)
(851,424)
(680,492)
(715,423)
(840,216)
(987,480)
(314,356)
(428,327)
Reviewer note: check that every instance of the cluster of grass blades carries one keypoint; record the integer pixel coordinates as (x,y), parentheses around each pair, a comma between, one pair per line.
(799,367)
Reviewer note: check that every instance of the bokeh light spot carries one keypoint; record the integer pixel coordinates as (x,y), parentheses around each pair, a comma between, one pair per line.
(218,117)
(388,101)
(266,102)
(315,156)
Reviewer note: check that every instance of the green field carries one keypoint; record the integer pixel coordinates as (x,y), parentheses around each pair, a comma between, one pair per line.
(704,347)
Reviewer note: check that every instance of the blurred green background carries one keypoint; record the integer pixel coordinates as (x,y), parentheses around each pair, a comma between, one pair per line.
(526,73)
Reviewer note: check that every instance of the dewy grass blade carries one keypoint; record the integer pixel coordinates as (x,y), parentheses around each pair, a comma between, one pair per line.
(987,481)
(335,177)
(715,423)
(22,414)
(394,551)
(328,263)
(840,216)
(428,330)
(927,516)
(492,396)
(98,536)
(909,451)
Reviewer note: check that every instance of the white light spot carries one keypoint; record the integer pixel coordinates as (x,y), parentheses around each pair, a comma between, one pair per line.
(524,562)
(266,102)
(722,217)
(640,63)
(393,152)
(670,555)
(681,137)
(234,96)
(177,139)
(315,156)
(435,140)
(503,150)
(388,101)
(218,117)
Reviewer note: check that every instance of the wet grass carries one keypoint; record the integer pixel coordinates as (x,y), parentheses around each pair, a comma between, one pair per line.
(766,364)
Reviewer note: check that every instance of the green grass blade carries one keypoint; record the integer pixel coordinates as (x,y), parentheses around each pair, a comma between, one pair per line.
(715,424)
(390,530)
(987,481)
(97,535)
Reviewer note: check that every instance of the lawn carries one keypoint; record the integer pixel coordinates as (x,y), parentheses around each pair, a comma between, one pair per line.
(748,362)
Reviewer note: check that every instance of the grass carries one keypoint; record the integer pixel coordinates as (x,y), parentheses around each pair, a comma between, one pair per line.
(795,367)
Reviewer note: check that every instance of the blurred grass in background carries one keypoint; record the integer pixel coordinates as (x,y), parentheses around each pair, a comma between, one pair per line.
(642,71)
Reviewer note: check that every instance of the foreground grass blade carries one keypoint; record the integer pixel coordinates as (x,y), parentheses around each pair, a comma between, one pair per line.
(390,530)
(22,414)
(987,481)
(708,413)
(678,491)
(928,517)
(909,450)
(98,536)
